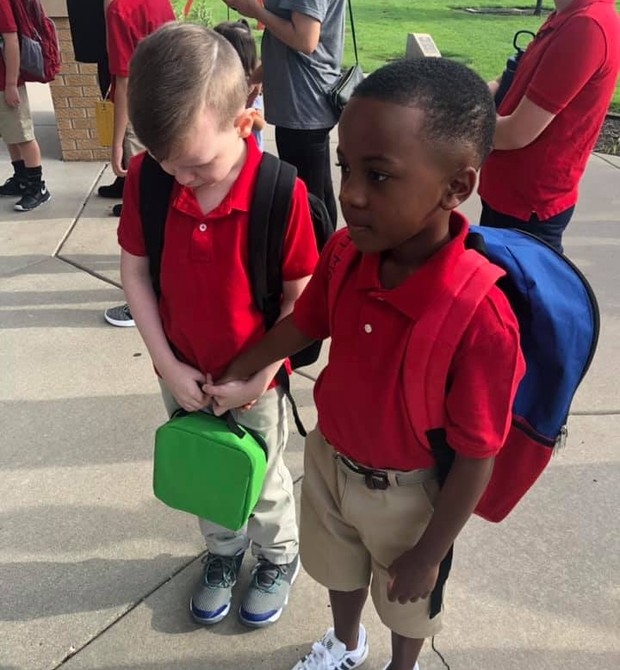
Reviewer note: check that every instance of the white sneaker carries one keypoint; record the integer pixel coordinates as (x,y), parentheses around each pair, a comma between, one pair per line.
(331,654)
(415,667)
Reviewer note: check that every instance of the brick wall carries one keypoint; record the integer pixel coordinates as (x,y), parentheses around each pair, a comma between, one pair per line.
(74,93)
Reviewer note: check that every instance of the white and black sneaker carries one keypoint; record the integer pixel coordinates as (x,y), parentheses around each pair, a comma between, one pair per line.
(331,654)
(34,194)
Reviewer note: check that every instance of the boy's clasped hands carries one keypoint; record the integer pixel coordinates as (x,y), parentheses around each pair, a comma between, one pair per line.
(195,391)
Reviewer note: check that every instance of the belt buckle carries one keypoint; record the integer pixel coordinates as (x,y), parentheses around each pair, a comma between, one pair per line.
(377,480)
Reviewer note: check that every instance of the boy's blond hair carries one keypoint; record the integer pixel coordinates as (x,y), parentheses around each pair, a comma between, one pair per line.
(175,73)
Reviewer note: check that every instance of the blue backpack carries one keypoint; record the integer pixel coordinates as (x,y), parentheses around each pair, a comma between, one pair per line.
(559,325)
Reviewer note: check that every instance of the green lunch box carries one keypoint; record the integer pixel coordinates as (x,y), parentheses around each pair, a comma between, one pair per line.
(209,466)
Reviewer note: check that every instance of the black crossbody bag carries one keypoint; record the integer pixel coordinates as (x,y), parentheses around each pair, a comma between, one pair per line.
(343,89)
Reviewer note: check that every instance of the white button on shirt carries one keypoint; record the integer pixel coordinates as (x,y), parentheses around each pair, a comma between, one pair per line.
(368,328)
(202,227)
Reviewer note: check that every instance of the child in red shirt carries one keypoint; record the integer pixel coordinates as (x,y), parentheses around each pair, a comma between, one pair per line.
(205,315)
(372,514)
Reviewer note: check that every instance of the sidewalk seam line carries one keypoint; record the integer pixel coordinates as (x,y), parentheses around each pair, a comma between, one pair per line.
(602,157)
(130,609)
(88,271)
(79,213)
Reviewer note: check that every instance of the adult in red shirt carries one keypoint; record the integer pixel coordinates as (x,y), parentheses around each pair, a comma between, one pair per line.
(550,119)
(128,22)
(16,127)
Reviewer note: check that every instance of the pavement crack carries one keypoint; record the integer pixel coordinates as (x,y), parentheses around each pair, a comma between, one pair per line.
(128,610)
(88,271)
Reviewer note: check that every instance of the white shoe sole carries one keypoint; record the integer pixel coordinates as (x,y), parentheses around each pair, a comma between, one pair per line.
(120,324)
(278,614)
(21,209)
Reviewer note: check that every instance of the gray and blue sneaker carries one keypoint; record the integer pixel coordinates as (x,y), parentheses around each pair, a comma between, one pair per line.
(268,592)
(210,601)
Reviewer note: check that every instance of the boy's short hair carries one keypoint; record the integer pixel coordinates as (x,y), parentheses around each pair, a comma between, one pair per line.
(175,72)
(457,104)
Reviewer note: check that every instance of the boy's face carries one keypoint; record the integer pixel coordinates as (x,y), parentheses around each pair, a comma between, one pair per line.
(210,152)
(394,187)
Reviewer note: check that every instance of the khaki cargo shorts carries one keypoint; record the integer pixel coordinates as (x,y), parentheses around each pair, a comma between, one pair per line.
(350,534)
(16,122)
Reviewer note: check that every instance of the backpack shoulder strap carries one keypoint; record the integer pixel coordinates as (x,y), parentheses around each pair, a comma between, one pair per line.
(155,191)
(269,213)
(436,336)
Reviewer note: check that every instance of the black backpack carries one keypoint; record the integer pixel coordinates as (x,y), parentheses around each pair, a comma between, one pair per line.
(269,214)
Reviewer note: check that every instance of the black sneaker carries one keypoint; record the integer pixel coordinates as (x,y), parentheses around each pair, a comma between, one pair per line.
(33,196)
(114,191)
(12,187)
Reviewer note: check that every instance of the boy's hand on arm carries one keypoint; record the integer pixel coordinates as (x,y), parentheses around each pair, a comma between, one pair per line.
(414,573)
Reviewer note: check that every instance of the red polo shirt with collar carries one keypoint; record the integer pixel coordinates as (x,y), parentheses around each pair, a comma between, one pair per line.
(129,22)
(570,70)
(7,25)
(206,304)
(359,395)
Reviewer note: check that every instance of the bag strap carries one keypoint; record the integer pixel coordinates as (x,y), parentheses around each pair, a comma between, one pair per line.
(353,31)
(435,338)
(155,191)
(269,215)
(188,7)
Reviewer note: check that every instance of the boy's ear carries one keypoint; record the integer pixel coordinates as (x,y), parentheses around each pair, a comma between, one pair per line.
(460,188)
(244,123)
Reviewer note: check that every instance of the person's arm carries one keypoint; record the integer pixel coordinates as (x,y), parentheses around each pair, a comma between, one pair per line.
(559,78)
(251,373)
(182,380)
(494,85)
(521,127)
(121,119)
(301,33)
(414,573)
(11,57)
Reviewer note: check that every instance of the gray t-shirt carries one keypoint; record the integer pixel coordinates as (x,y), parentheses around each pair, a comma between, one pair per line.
(295,85)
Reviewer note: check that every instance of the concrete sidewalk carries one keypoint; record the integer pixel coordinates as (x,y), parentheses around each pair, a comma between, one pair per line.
(95,574)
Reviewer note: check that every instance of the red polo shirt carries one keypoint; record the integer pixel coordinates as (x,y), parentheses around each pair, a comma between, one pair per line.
(7,25)
(359,395)
(570,70)
(129,22)
(206,304)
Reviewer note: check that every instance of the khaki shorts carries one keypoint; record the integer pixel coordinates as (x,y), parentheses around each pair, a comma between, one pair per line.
(350,534)
(131,145)
(16,122)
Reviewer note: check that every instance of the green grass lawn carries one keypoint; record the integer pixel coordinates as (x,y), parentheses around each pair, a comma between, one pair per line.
(482,42)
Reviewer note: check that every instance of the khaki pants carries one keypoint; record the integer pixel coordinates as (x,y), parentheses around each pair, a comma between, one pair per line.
(272,529)
(351,534)
(16,123)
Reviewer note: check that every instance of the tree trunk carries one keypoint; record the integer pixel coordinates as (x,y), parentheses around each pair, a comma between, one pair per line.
(538,8)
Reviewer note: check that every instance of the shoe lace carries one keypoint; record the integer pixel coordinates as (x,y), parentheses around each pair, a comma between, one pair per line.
(220,571)
(319,658)
(267,576)
(126,311)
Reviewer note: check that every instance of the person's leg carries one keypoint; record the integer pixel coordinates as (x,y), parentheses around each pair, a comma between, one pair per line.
(405,652)
(16,183)
(210,601)
(18,133)
(272,528)
(308,151)
(347,607)
(334,555)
